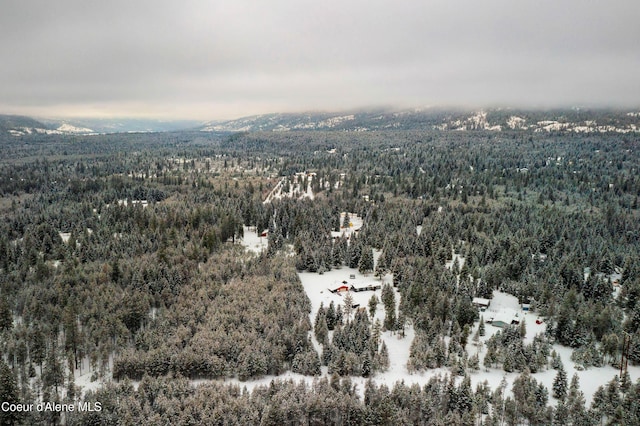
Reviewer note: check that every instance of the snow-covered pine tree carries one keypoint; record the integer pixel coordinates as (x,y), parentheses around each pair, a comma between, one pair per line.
(474,362)
(381,268)
(561,414)
(348,305)
(367,364)
(389,302)
(346,220)
(331,316)
(508,364)
(560,385)
(6,317)
(382,358)
(365,263)
(373,304)
(320,328)
(8,394)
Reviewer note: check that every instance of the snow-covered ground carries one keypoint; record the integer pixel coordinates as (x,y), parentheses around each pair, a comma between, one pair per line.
(295,188)
(252,241)
(85,378)
(354,225)
(590,379)
(317,288)
(451,262)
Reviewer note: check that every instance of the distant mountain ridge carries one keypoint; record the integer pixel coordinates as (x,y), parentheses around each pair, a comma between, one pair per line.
(20,125)
(492,120)
(569,120)
(129,125)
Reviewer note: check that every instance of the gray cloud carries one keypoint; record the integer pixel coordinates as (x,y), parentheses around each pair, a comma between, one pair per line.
(210,59)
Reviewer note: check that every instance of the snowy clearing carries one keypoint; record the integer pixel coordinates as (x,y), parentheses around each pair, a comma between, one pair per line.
(317,287)
(292,187)
(252,241)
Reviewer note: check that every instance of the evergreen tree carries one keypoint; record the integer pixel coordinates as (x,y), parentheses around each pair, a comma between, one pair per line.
(382,363)
(556,361)
(625,382)
(481,327)
(8,394)
(339,251)
(53,374)
(37,350)
(612,396)
(522,328)
(348,305)
(354,252)
(476,340)
(376,332)
(367,364)
(474,362)
(464,396)
(71,387)
(320,328)
(599,404)
(339,315)
(373,304)
(6,317)
(365,264)
(561,414)
(509,362)
(560,385)
(490,358)
(389,302)
(381,268)
(331,316)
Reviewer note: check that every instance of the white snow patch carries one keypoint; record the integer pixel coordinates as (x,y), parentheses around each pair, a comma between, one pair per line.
(68,128)
(252,241)
(455,257)
(334,121)
(295,188)
(515,122)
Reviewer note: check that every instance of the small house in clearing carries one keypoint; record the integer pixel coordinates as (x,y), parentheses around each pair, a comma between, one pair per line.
(365,287)
(481,303)
(342,289)
(504,317)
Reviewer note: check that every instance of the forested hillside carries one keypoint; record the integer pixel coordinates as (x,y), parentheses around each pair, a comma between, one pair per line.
(124,281)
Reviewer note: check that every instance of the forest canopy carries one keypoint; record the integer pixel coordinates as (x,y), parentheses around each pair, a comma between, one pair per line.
(121,256)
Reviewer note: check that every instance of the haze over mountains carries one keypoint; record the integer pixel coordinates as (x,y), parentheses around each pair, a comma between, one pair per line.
(21,125)
(567,120)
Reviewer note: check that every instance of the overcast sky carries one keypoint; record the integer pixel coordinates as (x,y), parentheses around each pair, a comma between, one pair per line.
(208,59)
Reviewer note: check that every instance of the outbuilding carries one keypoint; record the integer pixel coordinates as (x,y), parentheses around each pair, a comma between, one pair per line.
(365,287)
(343,288)
(481,302)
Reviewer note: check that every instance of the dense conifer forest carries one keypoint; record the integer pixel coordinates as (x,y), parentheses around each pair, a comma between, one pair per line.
(121,256)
